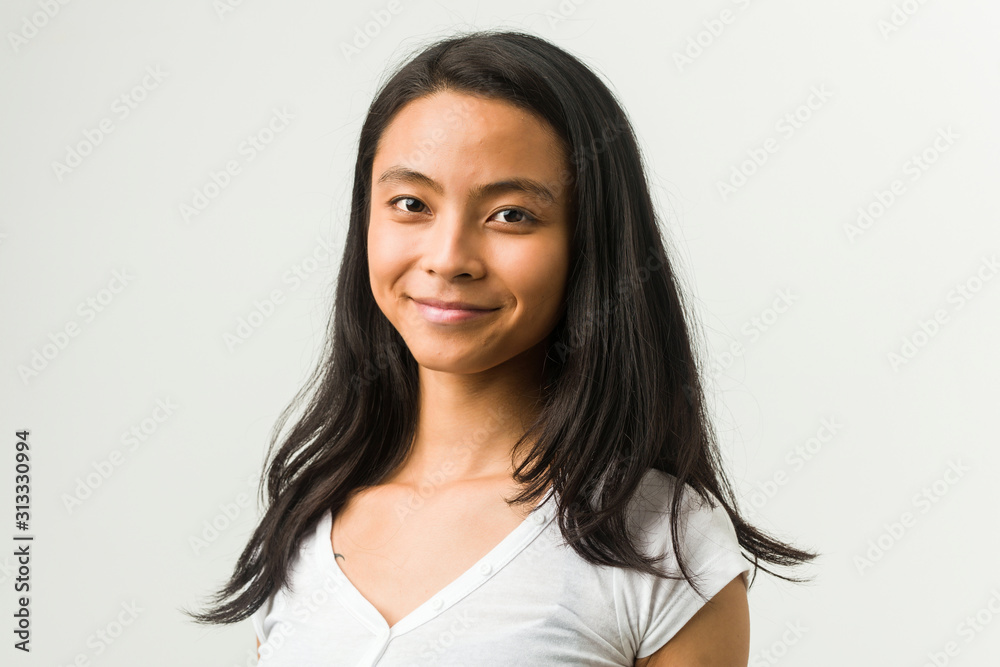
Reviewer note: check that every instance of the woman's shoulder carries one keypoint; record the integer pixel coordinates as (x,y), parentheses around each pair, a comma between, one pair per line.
(703,523)
(655,492)
(303,576)
(655,608)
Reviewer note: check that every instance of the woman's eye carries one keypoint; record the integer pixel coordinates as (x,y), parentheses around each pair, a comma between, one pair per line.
(406,203)
(520,216)
(525,217)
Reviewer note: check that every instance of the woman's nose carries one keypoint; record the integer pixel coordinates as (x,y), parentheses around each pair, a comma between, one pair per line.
(453,245)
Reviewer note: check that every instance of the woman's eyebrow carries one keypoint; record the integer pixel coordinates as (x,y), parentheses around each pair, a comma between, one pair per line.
(527,186)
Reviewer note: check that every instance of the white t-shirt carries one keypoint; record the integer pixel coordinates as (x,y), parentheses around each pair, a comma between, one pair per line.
(532,600)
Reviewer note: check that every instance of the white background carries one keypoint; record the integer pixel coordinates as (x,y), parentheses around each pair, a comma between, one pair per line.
(856,297)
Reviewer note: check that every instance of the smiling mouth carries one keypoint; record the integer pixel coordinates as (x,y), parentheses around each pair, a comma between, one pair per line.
(449,312)
(451,305)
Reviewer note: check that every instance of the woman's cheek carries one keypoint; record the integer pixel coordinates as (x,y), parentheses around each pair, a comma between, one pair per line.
(386,250)
(540,287)
(379,267)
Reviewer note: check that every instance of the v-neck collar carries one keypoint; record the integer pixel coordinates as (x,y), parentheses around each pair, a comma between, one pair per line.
(480,572)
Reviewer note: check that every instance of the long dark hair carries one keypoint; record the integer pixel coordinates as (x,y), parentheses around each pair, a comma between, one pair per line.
(621,383)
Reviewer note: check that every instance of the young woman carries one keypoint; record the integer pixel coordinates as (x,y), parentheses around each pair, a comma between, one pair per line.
(505,458)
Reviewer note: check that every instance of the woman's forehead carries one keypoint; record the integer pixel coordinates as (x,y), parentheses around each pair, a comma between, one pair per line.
(448,120)
(482,142)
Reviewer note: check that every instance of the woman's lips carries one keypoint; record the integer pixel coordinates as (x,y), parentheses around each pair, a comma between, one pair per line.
(441,312)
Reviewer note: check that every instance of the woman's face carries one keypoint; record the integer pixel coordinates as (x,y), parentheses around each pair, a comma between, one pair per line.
(468,204)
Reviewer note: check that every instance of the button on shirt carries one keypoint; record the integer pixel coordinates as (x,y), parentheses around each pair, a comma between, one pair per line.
(531,600)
